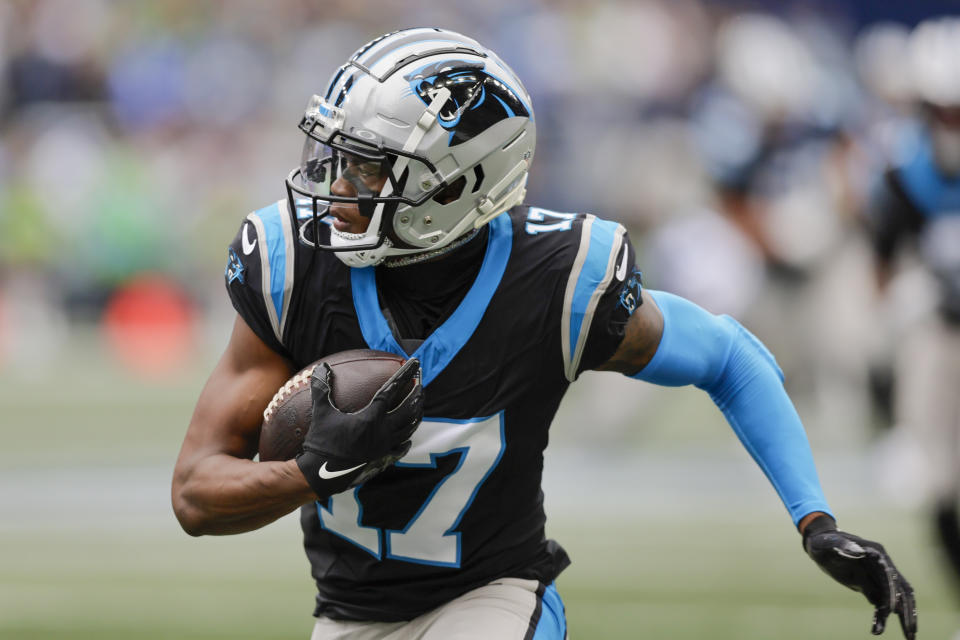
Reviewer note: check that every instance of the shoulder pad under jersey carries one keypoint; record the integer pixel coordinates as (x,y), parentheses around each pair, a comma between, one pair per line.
(260,270)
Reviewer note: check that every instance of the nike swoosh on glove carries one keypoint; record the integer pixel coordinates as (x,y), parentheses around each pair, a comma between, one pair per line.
(864,566)
(343,450)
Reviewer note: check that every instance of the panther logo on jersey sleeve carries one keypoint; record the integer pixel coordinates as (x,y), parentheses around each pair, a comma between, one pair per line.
(260,271)
(235,268)
(630,293)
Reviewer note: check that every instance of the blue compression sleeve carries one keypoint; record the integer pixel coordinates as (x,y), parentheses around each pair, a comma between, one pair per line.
(717,354)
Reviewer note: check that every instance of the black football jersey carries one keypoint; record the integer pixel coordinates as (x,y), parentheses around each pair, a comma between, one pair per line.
(464,506)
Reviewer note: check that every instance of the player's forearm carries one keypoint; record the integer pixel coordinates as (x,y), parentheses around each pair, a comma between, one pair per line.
(718,355)
(224,495)
(766,422)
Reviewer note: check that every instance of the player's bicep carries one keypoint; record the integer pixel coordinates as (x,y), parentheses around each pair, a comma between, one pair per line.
(229,411)
(640,340)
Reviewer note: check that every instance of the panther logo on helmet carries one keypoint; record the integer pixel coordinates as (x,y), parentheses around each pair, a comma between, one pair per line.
(477,99)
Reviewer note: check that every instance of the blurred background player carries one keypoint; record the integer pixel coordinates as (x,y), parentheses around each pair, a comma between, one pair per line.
(914,224)
(779,219)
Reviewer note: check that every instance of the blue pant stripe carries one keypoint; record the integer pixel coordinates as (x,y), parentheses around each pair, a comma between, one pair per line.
(552,624)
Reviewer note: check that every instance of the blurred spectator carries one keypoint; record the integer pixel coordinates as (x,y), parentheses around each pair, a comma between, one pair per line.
(133,133)
(914,223)
(773,244)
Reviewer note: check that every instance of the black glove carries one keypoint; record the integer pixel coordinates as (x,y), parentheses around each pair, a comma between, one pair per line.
(342,450)
(863,566)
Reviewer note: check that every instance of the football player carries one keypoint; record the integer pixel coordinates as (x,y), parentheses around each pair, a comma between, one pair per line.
(403,230)
(917,202)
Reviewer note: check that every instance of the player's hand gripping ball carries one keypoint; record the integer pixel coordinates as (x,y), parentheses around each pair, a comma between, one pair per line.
(345,417)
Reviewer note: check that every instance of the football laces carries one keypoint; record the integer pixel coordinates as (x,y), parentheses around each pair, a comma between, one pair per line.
(288,388)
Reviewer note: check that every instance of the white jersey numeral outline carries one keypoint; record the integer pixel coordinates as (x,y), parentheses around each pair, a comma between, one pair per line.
(431,536)
(537,221)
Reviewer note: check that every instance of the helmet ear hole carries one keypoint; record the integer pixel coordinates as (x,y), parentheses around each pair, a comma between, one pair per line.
(478,175)
(452,192)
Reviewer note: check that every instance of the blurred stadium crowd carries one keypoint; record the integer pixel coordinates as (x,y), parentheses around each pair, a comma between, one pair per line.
(738,144)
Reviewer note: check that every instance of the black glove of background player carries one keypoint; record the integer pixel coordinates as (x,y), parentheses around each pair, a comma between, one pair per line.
(863,566)
(342,450)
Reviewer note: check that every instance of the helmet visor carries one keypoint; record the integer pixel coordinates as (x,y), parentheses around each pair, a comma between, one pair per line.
(388,175)
(343,171)
(364,171)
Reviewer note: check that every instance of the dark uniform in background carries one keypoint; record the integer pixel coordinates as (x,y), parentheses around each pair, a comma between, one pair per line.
(916,205)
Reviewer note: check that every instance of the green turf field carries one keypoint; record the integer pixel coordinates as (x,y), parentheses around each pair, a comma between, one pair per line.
(89,547)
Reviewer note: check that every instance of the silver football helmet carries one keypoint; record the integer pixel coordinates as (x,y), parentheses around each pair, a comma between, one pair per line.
(433,135)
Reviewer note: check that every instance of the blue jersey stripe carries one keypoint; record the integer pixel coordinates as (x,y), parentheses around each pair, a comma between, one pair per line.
(278,257)
(273,247)
(603,236)
(376,332)
(553,620)
(445,342)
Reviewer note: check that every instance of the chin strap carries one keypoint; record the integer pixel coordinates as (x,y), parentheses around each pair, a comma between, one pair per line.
(403,261)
